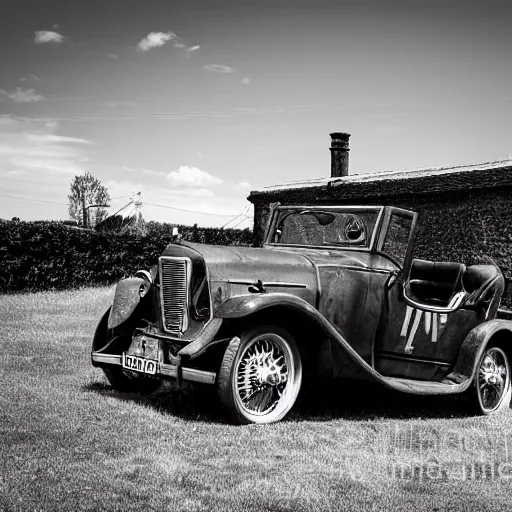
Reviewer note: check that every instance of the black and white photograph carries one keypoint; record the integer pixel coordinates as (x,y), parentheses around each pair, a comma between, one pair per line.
(255,255)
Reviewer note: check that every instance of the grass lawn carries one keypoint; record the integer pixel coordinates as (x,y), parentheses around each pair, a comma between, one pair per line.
(68,442)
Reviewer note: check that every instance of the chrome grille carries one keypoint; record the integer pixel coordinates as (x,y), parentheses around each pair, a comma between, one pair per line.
(174,284)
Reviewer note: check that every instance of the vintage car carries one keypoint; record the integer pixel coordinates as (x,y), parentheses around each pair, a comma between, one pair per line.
(334,291)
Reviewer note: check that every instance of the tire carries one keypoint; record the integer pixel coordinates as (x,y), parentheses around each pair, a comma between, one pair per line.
(121,380)
(491,390)
(254,385)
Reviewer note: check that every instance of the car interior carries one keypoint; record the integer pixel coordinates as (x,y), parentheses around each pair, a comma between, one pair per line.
(450,285)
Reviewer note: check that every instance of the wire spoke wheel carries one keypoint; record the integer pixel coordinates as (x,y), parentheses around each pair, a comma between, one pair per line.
(260,375)
(492,381)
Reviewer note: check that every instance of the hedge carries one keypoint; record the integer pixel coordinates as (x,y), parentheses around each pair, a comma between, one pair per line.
(54,256)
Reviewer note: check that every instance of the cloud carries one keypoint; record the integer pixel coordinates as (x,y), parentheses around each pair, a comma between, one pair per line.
(196,192)
(154,40)
(48,138)
(112,55)
(245,185)
(118,104)
(48,36)
(31,147)
(71,98)
(51,124)
(33,77)
(21,95)
(192,177)
(142,170)
(217,68)
(245,81)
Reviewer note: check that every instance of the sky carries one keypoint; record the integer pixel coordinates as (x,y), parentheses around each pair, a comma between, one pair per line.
(194,104)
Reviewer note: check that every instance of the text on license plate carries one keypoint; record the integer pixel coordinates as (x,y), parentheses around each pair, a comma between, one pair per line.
(139,364)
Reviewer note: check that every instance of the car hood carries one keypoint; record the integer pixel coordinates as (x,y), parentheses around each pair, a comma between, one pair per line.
(233,269)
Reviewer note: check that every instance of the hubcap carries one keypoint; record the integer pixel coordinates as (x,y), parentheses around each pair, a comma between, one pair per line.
(493,378)
(263,374)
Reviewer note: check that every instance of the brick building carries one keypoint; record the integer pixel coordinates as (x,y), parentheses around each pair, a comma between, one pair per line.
(464,213)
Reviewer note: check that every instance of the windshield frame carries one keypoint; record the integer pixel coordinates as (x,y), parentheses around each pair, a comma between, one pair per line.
(371,247)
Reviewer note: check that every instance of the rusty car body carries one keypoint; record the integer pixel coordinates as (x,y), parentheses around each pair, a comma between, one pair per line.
(334,291)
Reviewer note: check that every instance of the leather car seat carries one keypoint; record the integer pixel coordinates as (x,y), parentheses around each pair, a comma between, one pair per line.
(484,284)
(434,283)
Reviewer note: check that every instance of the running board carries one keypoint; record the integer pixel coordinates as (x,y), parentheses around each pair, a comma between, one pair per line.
(163,370)
(423,387)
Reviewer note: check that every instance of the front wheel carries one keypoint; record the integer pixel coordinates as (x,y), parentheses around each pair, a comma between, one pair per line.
(260,375)
(491,390)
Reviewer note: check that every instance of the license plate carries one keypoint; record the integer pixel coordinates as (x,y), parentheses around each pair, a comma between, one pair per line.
(139,364)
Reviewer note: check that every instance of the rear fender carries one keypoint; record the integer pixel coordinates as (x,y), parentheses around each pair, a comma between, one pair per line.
(474,345)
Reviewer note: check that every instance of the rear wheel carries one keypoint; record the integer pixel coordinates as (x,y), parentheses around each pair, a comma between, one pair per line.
(260,375)
(491,390)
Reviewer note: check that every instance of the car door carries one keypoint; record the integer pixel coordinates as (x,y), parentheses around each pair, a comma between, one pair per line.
(413,342)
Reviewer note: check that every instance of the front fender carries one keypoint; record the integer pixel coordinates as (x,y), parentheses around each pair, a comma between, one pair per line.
(126,299)
(244,305)
(473,347)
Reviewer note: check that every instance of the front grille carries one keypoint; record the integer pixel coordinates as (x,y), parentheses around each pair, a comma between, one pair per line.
(174,284)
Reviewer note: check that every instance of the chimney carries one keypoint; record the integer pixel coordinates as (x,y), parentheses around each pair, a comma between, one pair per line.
(339,154)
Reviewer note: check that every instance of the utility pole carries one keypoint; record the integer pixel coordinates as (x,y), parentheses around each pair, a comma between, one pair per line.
(84,211)
(139,221)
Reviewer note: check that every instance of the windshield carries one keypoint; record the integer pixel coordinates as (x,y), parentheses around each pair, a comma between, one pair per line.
(308,226)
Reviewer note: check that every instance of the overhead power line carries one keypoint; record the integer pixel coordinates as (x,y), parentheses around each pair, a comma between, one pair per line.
(242,214)
(50,202)
(229,113)
(33,200)
(189,211)
(231,220)
(238,223)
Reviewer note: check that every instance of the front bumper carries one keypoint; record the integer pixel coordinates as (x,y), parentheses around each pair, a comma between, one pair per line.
(163,370)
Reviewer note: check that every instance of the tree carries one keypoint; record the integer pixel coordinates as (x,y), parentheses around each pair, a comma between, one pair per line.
(87,192)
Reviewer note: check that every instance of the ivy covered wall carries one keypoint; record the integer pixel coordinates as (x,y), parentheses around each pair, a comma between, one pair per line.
(463,216)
